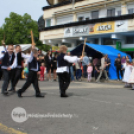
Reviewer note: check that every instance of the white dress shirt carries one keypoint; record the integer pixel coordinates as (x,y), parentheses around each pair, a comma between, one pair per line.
(70,59)
(15,64)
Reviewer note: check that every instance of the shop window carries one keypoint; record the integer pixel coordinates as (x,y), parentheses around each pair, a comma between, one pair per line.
(80,18)
(111,12)
(95,14)
(87,18)
(119,13)
(96,41)
(108,41)
(48,22)
(129,40)
(131,10)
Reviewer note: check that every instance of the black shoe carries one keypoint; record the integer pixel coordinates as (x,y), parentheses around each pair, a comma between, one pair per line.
(40,95)
(63,95)
(19,94)
(11,90)
(5,93)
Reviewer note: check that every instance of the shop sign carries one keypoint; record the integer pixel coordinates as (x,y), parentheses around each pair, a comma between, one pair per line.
(76,31)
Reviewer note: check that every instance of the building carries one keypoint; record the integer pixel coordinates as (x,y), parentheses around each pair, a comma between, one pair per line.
(102,22)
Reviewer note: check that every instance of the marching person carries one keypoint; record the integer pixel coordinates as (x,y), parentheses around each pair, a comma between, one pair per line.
(17,65)
(32,75)
(7,61)
(63,61)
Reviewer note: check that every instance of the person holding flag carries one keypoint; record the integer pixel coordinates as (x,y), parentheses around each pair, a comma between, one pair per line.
(33,69)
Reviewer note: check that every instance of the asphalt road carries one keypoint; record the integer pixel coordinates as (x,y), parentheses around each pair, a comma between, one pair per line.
(90,109)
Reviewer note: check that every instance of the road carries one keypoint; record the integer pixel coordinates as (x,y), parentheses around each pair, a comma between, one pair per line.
(90,109)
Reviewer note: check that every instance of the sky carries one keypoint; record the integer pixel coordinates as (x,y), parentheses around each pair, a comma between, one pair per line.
(32,7)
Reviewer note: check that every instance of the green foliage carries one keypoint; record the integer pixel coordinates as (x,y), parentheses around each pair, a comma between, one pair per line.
(17,30)
(42,46)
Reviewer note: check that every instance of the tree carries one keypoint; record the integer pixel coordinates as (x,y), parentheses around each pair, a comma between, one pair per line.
(43,46)
(17,30)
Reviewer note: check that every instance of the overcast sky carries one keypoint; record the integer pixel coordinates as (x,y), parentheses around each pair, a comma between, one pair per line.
(32,7)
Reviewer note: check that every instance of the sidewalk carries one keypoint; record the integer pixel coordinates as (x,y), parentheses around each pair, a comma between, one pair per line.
(103,81)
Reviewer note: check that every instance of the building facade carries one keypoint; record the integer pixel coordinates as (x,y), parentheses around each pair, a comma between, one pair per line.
(102,22)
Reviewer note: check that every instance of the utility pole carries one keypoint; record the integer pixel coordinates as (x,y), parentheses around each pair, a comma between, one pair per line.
(73,2)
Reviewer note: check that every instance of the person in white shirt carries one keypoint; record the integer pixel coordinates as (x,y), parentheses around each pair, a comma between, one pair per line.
(17,65)
(63,61)
(7,61)
(32,76)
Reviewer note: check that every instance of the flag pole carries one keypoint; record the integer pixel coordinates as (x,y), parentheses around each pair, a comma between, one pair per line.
(32,38)
(84,45)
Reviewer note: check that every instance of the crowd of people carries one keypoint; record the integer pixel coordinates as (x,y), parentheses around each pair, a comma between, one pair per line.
(33,66)
(15,65)
(89,68)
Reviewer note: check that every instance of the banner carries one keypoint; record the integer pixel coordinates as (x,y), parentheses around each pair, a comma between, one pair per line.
(106,27)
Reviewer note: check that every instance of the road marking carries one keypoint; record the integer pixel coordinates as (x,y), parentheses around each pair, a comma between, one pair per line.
(7,130)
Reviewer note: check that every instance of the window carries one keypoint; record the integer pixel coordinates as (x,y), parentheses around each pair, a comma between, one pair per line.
(80,18)
(95,14)
(48,22)
(96,41)
(108,41)
(129,40)
(87,18)
(119,13)
(131,10)
(111,12)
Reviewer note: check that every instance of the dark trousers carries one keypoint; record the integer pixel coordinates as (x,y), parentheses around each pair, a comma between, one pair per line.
(31,79)
(85,71)
(78,74)
(64,81)
(17,75)
(119,72)
(7,77)
(0,73)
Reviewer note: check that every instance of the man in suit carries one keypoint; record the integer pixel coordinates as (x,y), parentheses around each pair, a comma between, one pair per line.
(17,65)
(7,61)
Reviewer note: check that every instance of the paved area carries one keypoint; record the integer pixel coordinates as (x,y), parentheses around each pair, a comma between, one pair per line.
(90,109)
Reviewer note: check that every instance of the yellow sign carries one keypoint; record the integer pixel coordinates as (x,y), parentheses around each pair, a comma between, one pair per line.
(106,27)
(56,48)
